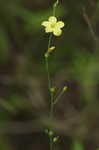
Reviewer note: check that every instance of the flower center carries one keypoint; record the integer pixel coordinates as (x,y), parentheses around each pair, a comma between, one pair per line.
(53,25)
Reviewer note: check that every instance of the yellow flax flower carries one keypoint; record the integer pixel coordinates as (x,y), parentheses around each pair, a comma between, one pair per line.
(54,26)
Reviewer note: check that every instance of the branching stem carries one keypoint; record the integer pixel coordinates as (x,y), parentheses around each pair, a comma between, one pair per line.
(49,79)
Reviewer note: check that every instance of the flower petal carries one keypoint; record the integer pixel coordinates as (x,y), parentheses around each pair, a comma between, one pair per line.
(60,24)
(48,29)
(57,32)
(52,19)
(45,23)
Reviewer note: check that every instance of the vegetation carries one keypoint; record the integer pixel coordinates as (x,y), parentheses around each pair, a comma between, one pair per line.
(49,82)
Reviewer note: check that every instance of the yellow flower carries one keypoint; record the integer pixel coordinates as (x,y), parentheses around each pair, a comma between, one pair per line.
(54,26)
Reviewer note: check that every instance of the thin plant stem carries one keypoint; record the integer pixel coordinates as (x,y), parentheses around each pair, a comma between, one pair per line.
(49,41)
(54,7)
(58,97)
(48,73)
(89,25)
(54,10)
(51,93)
(51,143)
(49,79)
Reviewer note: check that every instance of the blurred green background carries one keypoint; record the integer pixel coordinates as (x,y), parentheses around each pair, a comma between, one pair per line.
(23,79)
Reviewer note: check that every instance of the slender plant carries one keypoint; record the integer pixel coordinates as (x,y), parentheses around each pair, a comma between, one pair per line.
(53,27)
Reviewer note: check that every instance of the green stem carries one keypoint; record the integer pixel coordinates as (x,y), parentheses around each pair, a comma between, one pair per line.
(51,93)
(58,97)
(51,106)
(49,41)
(49,79)
(54,7)
(51,143)
(48,73)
